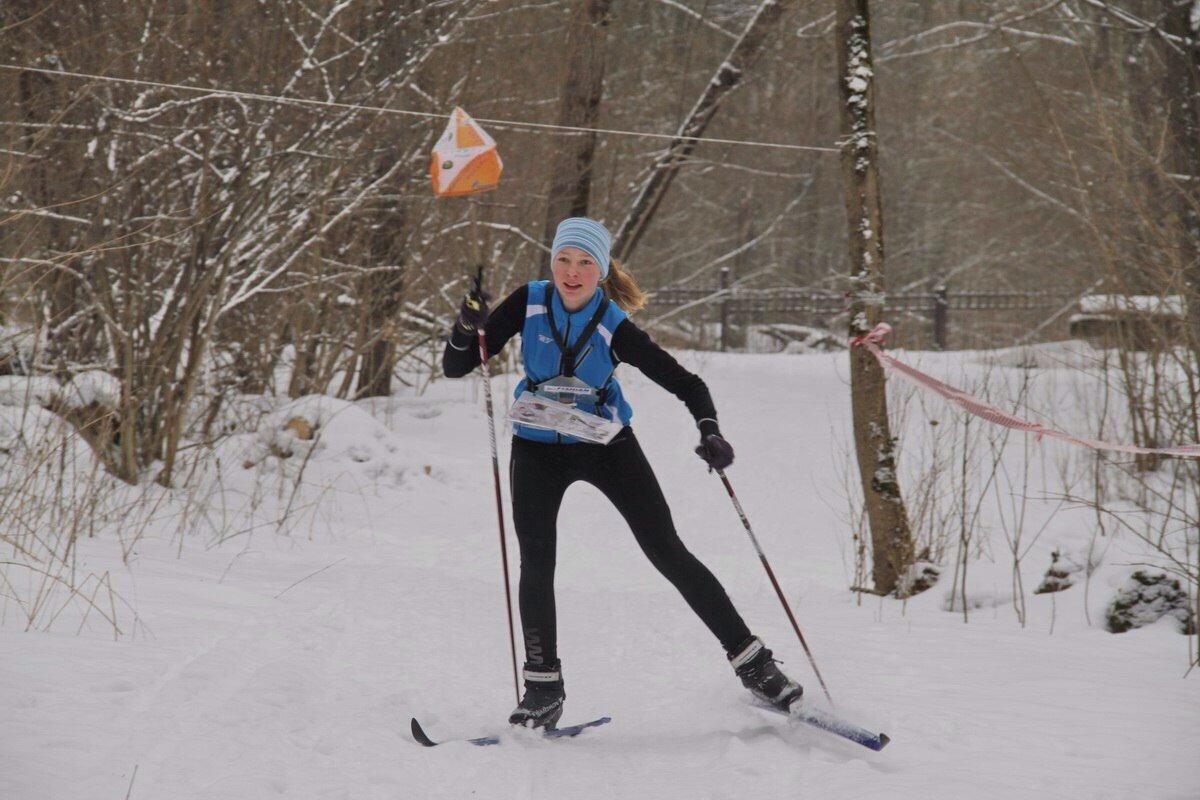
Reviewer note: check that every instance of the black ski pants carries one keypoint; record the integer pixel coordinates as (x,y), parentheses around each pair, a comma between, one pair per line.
(540,474)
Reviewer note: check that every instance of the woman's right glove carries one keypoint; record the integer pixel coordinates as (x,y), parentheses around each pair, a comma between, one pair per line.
(474,311)
(713,449)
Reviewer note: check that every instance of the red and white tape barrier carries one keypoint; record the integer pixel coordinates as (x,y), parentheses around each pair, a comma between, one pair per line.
(979,408)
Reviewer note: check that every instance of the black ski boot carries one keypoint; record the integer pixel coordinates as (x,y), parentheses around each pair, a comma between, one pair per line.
(542,704)
(753,664)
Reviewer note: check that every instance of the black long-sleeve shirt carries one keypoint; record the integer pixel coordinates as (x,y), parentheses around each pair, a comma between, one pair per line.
(630,344)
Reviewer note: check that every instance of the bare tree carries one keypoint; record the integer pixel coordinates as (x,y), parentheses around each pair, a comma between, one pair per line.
(197,211)
(729,75)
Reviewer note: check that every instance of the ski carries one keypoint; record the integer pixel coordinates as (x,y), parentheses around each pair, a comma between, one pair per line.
(847,730)
(567,731)
(831,723)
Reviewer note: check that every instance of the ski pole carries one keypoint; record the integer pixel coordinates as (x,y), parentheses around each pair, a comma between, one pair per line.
(487,393)
(771,574)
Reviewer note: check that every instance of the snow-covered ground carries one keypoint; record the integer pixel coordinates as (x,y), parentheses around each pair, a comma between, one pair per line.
(288,665)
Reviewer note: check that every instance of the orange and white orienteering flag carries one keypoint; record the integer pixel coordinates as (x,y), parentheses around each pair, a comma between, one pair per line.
(464,160)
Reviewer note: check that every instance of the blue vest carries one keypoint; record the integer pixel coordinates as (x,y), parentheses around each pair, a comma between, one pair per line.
(594,362)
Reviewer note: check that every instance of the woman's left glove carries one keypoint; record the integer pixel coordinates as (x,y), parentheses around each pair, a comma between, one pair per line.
(713,449)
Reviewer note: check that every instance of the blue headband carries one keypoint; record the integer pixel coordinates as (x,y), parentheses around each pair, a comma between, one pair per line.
(588,235)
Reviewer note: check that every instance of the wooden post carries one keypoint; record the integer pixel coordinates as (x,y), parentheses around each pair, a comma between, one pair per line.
(940,318)
(724,309)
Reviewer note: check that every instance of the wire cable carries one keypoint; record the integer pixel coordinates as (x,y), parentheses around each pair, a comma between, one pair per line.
(499,123)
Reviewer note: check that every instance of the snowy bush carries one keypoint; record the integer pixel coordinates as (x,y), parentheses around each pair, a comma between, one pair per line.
(918,577)
(1145,599)
(791,338)
(17,348)
(1061,574)
(18,390)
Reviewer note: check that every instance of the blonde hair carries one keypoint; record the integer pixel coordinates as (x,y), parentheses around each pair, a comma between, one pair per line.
(620,287)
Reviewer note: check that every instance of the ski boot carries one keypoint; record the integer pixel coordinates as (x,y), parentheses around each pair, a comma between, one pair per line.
(753,663)
(542,704)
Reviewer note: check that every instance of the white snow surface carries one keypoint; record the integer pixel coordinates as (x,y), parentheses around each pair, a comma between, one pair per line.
(288,664)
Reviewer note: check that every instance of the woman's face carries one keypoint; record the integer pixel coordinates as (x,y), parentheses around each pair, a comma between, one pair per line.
(576,276)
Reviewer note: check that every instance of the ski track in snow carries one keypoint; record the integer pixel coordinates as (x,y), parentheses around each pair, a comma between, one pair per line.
(225,691)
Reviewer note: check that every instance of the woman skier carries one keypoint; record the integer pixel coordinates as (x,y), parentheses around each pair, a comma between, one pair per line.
(574,332)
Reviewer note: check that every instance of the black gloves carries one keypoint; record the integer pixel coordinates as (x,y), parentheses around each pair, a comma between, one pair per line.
(713,449)
(474,311)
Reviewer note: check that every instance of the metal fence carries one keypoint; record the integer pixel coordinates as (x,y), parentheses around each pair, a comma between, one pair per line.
(734,305)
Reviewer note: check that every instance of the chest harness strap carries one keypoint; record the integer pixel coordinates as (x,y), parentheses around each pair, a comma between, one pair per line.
(570,355)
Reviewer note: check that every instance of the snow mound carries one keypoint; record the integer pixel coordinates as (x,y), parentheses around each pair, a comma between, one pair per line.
(29,427)
(35,444)
(331,434)
(93,386)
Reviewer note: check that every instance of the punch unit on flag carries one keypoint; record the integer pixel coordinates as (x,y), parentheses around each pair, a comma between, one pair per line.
(464,160)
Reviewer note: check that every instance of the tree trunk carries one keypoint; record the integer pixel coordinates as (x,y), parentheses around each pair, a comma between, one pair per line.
(728,77)
(571,169)
(891,539)
(1183,89)
(39,104)
(387,221)
(382,291)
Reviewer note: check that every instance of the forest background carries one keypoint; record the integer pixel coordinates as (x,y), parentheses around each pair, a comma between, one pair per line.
(166,253)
